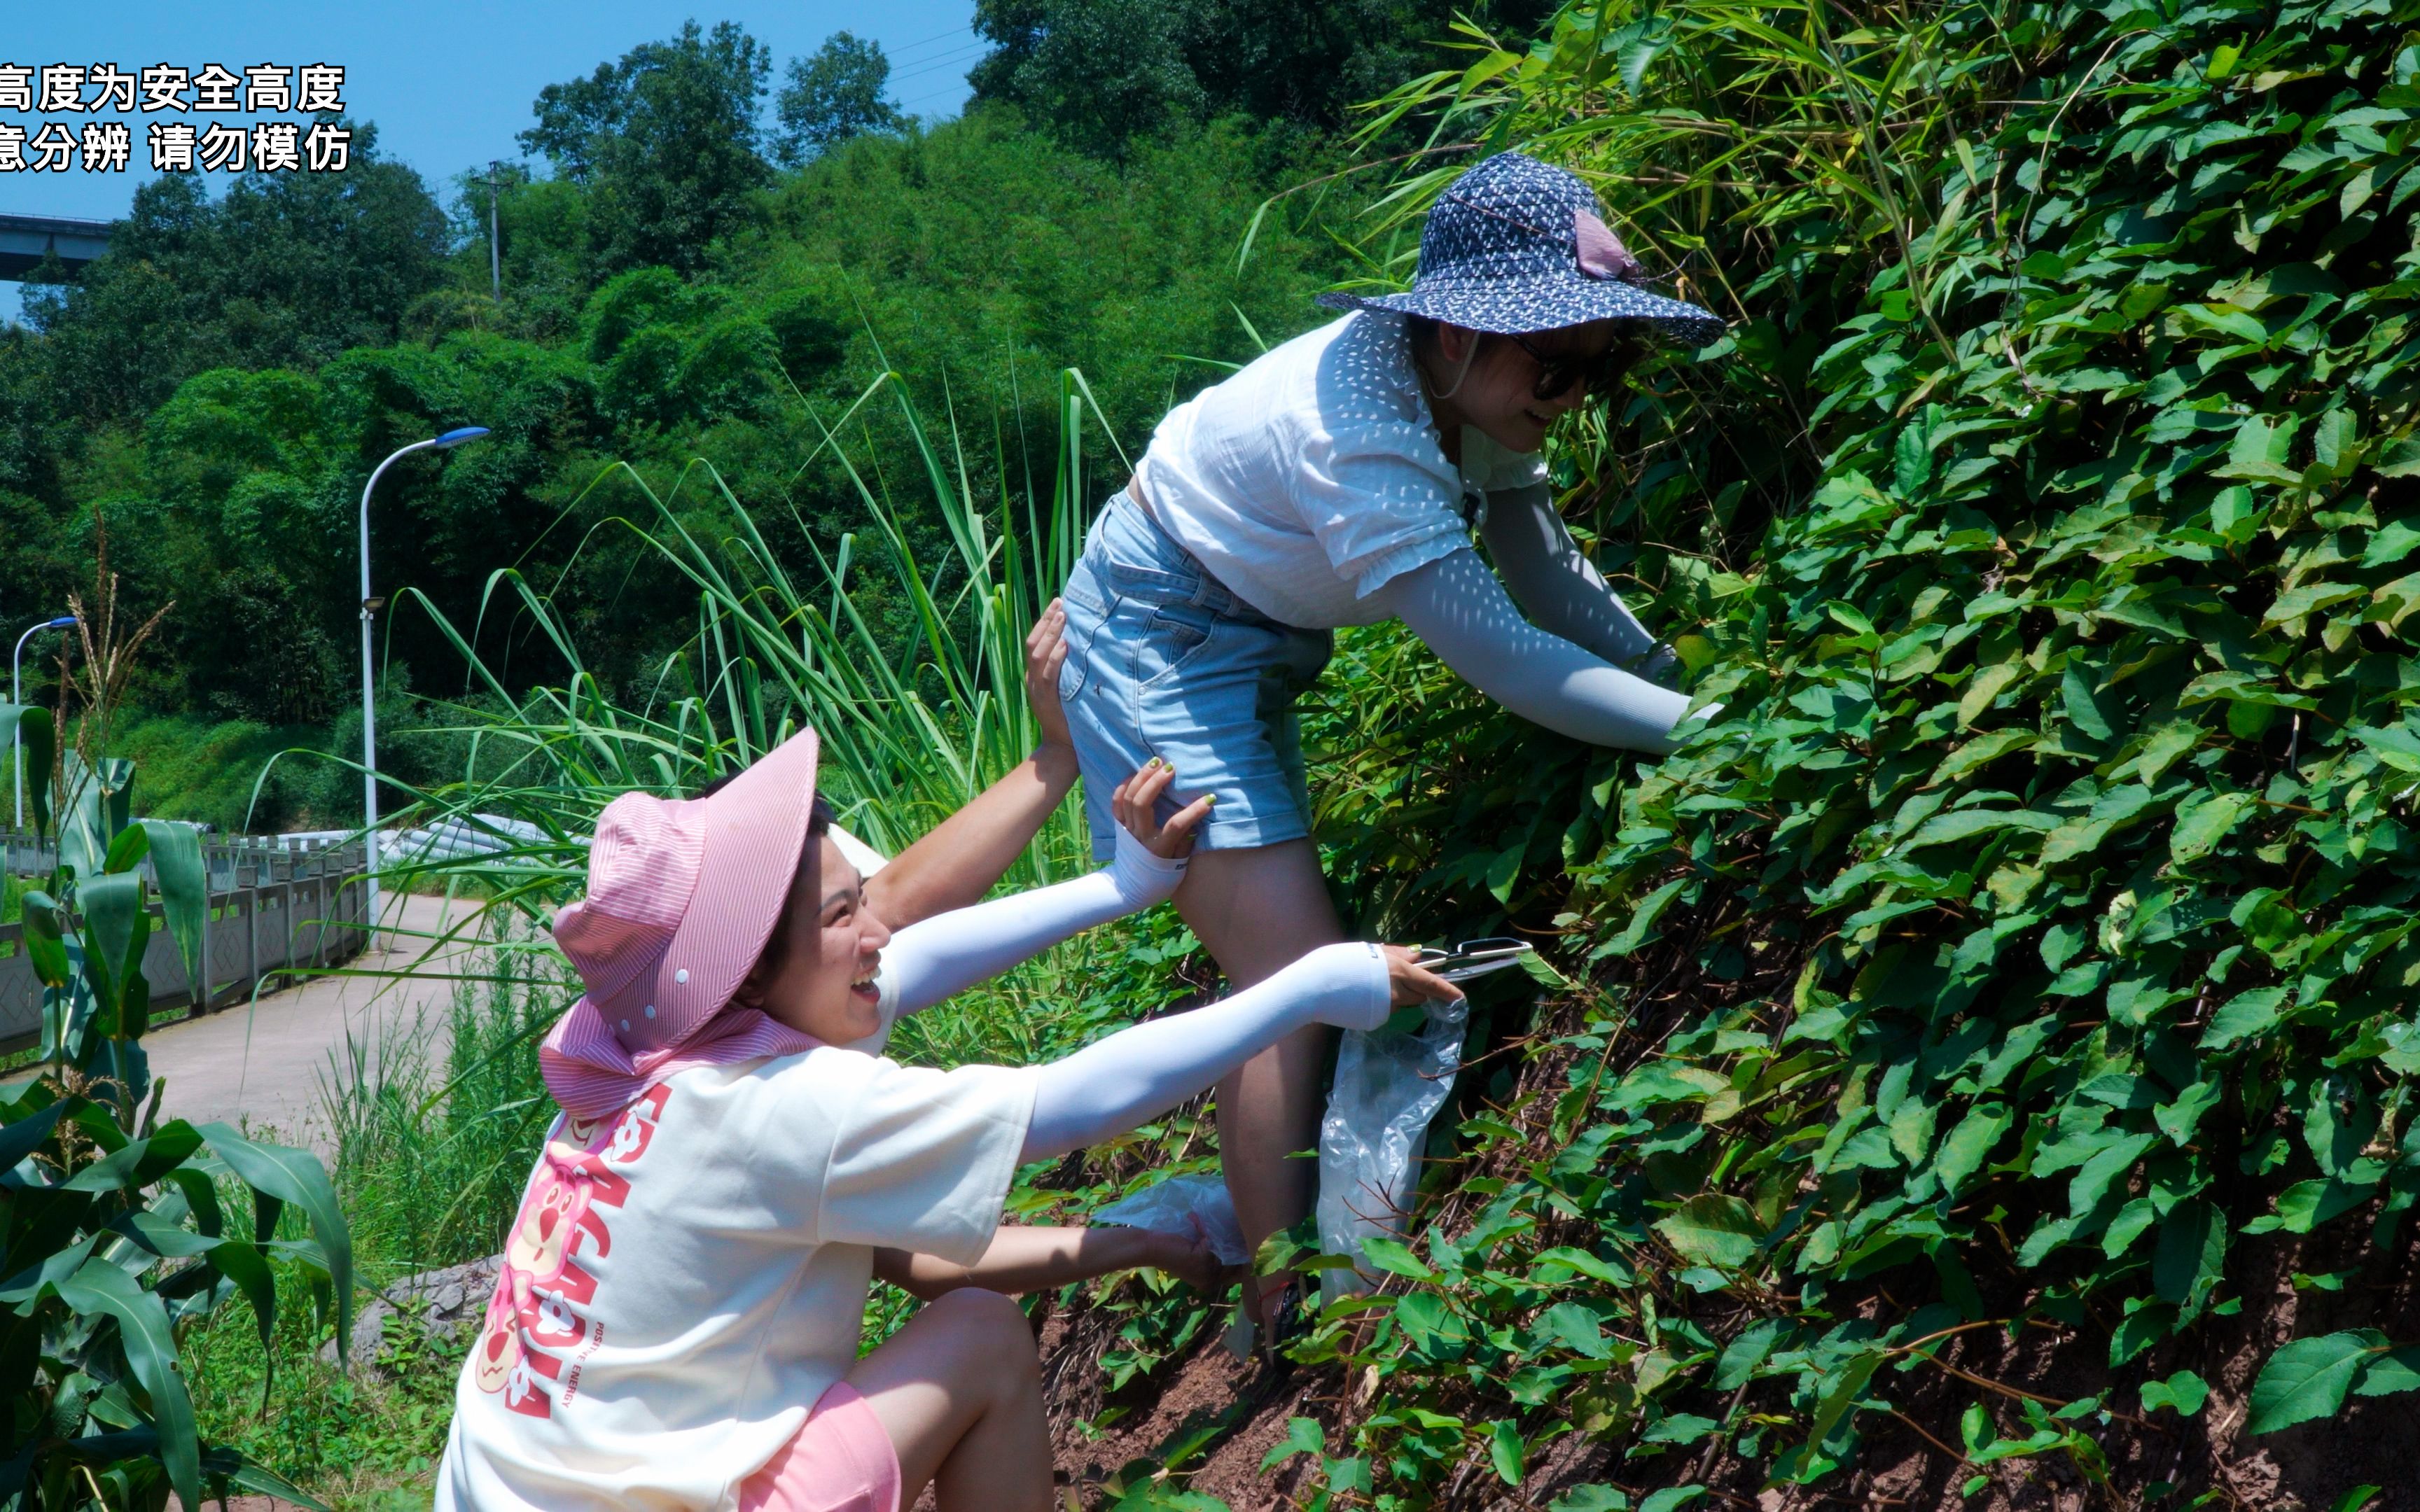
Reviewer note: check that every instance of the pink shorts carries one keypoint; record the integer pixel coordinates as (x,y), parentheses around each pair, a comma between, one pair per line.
(839,1460)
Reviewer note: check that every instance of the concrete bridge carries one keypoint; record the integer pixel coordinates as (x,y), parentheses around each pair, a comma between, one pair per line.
(26,239)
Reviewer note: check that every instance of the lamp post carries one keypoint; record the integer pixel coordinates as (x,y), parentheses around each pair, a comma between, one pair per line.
(16,752)
(370,707)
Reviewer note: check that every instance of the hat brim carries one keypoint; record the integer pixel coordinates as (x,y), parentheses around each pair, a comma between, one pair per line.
(1516,307)
(755,831)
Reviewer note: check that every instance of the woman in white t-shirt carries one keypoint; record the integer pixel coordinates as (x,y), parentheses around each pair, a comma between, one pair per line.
(675,1323)
(1335,480)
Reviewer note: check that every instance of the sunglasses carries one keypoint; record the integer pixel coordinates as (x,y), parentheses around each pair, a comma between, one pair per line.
(1473,958)
(1598,371)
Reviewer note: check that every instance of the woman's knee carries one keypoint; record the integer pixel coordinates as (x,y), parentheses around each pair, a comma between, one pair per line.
(987,1320)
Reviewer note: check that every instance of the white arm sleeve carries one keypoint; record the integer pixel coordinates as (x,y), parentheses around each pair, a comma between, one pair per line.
(932,959)
(1556,584)
(1456,605)
(1127,1078)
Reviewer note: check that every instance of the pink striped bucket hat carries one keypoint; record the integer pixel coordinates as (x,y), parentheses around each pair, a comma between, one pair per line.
(682,896)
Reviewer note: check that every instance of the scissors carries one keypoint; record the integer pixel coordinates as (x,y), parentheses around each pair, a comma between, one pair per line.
(1473,958)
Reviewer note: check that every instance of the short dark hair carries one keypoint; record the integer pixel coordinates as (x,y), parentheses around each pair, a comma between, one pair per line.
(819,815)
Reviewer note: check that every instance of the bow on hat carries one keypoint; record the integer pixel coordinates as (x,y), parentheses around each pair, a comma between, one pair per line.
(1602,253)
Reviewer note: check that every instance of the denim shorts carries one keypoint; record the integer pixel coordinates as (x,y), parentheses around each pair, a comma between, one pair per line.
(1164,660)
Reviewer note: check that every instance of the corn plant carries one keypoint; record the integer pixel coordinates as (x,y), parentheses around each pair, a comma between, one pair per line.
(116,1241)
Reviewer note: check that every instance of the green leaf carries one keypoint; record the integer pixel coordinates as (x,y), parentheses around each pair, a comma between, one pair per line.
(102,1286)
(2396,745)
(2178,1119)
(2141,1327)
(1965,824)
(140,1161)
(1741,1357)
(128,850)
(1391,1256)
(45,940)
(22,1138)
(1969,1144)
(114,922)
(1507,1452)
(1506,869)
(1642,920)
(2399,460)
(2298,603)
(2393,1372)
(2183,1392)
(1681,1428)
(35,732)
(1713,1229)
(297,1177)
(2308,1379)
(2113,1161)
(1988,684)
(2391,545)
(184,888)
(1575,1328)
(1980,751)
(1591,1266)
(2165,745)
(2305,1205)
(245,1475)
(2243,1016)
(1912,459)
(1841,1390)
(2202,825)
(1671,1498)
(1599,1498)
(1535,965)
(241,1261)
(1304,1436)
(2356,1499)
(2081,702)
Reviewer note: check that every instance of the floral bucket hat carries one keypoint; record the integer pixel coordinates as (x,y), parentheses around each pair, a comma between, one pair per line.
(1516,245)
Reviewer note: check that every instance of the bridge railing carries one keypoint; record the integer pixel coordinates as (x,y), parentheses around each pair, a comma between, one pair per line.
(276,910)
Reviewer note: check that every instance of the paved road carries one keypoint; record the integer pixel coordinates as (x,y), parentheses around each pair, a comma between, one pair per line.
(268,1064)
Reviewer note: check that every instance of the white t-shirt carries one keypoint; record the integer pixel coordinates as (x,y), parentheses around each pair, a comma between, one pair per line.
(687,1275)
(1308,479)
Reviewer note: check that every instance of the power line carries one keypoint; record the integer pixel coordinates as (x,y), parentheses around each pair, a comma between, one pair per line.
(909,104)
(964,54)
(929,40)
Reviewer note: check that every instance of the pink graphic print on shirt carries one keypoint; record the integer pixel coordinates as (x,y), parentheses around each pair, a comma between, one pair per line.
(540,1320)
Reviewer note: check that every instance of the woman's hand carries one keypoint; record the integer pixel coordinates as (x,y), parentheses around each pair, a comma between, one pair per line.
(1190,1258)
(1045,651)
(1136,803)
(1410,982)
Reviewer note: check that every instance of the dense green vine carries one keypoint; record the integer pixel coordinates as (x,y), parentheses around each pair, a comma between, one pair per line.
(2045,884)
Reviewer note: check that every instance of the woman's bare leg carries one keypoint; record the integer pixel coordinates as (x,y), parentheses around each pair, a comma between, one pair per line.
(1257,911)
(959,1391)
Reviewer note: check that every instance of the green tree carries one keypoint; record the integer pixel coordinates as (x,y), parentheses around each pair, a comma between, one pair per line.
(843,91)
(1101,72)
(282,270)
(666,143)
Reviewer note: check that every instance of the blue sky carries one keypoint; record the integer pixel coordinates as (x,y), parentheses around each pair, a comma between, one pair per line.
(448,83)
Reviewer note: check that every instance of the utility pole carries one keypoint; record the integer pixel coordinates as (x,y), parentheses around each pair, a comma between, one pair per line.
(496,247)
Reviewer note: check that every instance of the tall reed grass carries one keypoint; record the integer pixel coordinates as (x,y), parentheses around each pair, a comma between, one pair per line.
(911,726)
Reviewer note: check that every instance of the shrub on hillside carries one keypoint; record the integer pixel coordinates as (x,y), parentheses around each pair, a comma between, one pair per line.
(2034,925)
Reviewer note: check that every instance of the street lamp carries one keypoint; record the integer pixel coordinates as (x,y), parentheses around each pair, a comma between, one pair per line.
(16,752)
(370,607)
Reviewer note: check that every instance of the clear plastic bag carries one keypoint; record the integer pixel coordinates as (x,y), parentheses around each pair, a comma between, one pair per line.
(1177,1205)
(1389,1084)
